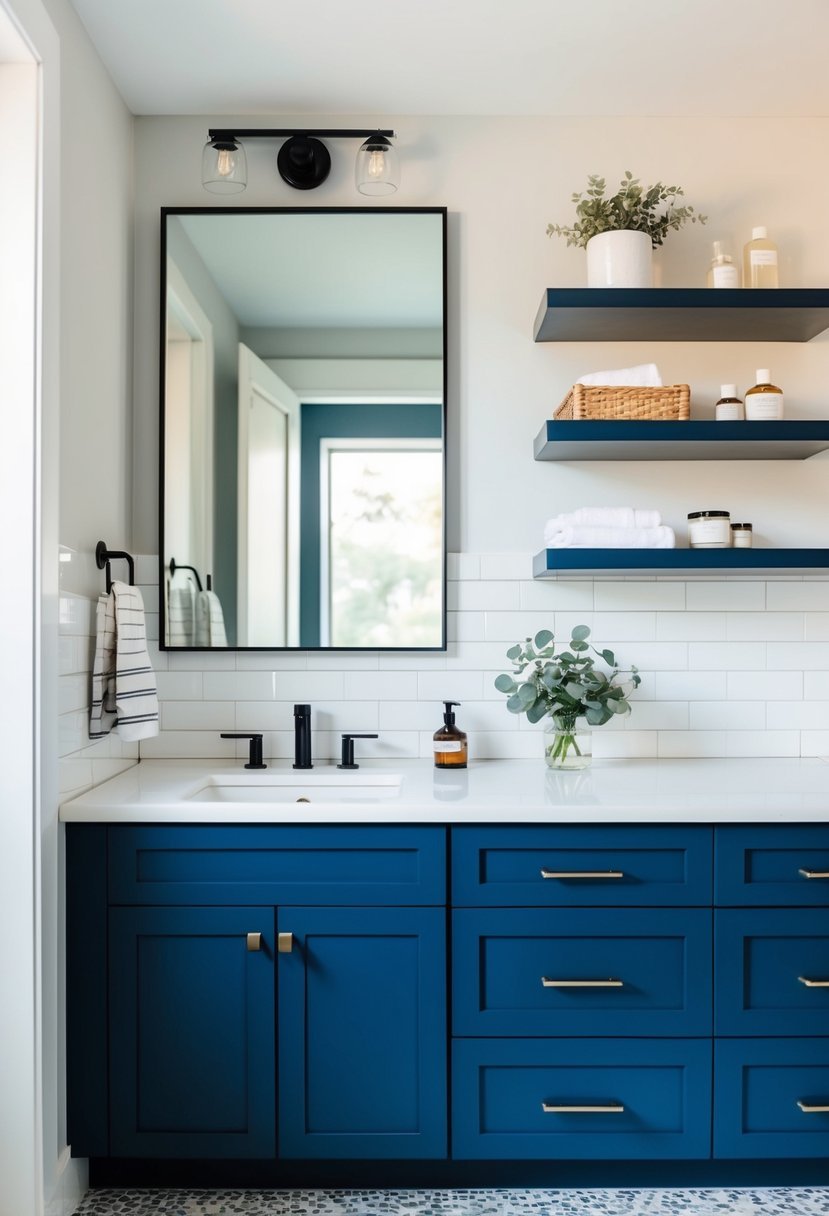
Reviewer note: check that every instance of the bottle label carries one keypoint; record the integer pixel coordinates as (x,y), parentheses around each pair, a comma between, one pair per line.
(764,406)
(763,257)
(728,411)
(448,745)
(725,275)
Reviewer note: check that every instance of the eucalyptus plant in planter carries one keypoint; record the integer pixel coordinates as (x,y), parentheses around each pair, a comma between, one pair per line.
(621,232)
(569,690)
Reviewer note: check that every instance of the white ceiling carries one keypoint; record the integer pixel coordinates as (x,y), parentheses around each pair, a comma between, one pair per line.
(369,270)
(385,57)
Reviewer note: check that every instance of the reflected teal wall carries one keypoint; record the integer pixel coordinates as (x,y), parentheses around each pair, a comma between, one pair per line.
(343,422)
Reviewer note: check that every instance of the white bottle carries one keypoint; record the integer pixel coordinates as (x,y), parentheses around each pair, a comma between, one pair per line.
(729,408)
(764,402)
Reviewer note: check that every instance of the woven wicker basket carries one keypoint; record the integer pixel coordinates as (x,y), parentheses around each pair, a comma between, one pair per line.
(614,401)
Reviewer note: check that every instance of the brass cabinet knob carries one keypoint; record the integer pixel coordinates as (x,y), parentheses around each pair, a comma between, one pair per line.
(285,943)
(254,941)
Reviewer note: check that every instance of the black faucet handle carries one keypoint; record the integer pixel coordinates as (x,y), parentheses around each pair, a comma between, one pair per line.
(348,748)
(255,756)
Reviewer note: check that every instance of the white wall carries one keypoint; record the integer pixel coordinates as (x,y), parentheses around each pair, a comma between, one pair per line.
(503,181)
(731,666)
(81,491)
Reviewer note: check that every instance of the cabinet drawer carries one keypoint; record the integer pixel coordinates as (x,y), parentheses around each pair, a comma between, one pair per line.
(759,1086)
(637,1100)
(276,865)
(580,866)
(772,865)
(555,971)
(772,971)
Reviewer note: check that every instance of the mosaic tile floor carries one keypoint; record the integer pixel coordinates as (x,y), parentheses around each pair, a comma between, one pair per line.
(771,1201)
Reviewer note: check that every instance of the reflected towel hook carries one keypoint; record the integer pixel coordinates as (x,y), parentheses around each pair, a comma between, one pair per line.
(174,566)
(103,556)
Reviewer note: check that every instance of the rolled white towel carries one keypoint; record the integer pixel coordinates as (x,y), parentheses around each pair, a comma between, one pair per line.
(644,374)
(582,536)
(610,517)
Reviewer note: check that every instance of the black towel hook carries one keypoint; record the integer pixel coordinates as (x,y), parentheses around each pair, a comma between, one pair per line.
(174,565)
(103,556)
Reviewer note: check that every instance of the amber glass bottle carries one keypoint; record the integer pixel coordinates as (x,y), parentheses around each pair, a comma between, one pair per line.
(450,742)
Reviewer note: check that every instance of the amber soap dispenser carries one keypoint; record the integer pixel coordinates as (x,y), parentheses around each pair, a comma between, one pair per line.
(450,742)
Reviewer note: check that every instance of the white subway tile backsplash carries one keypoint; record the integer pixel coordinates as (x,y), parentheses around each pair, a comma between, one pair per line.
(625,627)
(380,686)
(511,566)
(726,656)
(239,685)
(768,685)
(554,595)
(722,675)
(73,692)
(798,656)
(691,626)
(690,685)
(486,595)
(731,596)
(798,596)
(639,597)
(766,626)
(728,715)
(198,715)
(466,626)
(182,685)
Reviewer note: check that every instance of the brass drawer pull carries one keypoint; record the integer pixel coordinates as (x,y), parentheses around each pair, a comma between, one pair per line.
(284,943)
(813,983)
(608,1108)
(584,874)
(814,873)
(254,941)
(809,1109)
(548,983)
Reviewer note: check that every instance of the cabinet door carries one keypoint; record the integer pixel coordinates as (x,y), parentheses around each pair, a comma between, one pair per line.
(362,1033)
(191,1032)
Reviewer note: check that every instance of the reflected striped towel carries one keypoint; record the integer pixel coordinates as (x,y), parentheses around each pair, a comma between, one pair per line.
(124,691)
(181,621)
(210,620)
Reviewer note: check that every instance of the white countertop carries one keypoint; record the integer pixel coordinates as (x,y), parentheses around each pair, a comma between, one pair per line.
(488,792)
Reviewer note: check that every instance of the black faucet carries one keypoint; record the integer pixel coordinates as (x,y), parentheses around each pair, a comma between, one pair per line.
(255,758)
(348,749)
(302,736)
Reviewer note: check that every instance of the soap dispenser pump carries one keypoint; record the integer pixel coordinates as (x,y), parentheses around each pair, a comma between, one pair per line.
(450,742)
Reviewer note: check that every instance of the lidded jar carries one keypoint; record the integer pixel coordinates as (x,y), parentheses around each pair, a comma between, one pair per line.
(709,530)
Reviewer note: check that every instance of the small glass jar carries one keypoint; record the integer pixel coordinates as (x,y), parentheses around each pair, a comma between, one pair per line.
(741,536)
(709,530)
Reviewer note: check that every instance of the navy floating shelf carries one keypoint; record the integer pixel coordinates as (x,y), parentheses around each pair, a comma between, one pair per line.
(584,439)
(553,563)
(651,314)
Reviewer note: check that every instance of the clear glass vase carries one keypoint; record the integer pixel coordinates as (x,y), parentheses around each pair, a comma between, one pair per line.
(568,743)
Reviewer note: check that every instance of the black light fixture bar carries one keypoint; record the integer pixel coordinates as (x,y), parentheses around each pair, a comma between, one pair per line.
(280,133)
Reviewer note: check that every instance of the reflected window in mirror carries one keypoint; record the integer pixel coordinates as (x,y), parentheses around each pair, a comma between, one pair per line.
(303,427)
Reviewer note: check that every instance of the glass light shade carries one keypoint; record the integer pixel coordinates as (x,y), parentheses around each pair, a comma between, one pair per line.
(377,170)
(224,167)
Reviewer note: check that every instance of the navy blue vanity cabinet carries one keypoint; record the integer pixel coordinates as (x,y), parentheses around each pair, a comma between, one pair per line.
(771,1007)
(598,990)
(191,1015)
(256,991)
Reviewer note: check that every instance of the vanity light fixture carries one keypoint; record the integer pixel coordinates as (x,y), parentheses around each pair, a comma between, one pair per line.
(224,166)
(303,160)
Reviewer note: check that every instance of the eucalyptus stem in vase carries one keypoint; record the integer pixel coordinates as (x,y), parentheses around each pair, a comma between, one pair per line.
(569,689)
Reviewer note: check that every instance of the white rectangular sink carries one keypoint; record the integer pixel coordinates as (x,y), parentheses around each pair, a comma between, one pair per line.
(313,788)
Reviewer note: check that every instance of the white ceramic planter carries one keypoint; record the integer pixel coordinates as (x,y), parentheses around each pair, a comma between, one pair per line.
(620,259)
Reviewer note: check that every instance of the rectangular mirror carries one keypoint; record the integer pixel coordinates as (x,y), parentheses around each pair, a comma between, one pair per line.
(303,385)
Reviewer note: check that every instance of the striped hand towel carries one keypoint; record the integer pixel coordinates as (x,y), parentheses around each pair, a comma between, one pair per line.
(124,691)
